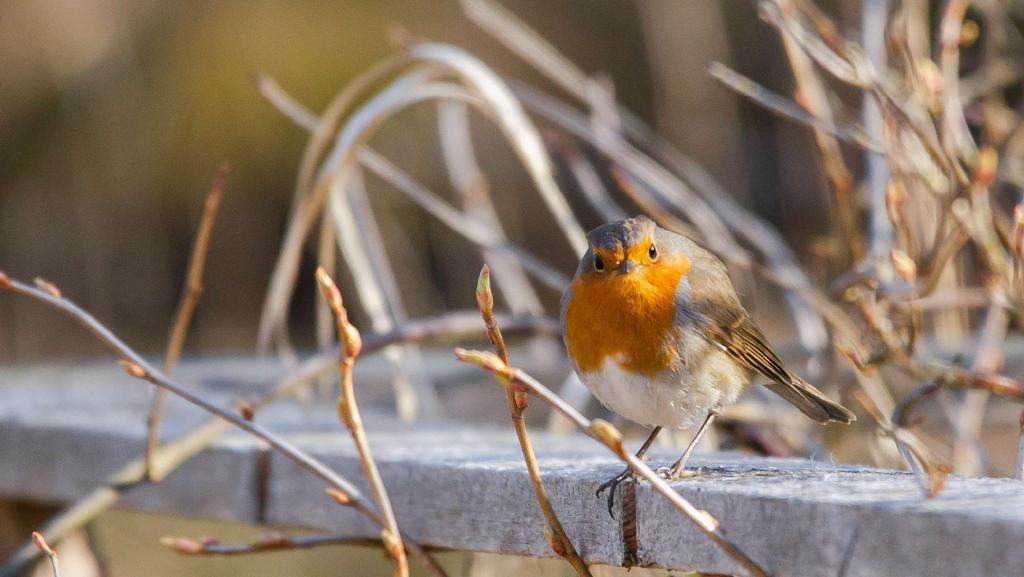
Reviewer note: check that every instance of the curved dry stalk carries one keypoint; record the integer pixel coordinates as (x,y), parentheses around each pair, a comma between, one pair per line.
(610,437)
(333,174)
(348,411)
(418,194)
(139,368)
(482,88)
(586,176)
(516,397)
(360,243)
(186,307)
(469,181)
(424,198)
(324,130)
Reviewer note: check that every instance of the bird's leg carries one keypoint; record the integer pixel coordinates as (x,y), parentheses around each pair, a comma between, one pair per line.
(675,472)
(613,483)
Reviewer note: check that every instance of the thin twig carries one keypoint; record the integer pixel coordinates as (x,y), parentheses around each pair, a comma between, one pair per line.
(469,180)
(348,411)
(191,292)
(845,131)
(452,326)
(136,366)
(44,547)
(516,398)
(934,473)
(448,327)
(266,543)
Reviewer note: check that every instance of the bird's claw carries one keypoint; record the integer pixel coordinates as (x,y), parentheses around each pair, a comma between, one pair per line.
(611,485)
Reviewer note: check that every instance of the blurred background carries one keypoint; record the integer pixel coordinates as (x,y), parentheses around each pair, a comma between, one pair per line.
(115,114)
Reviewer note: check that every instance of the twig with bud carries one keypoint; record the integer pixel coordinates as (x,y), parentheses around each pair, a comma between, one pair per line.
(517,397)
(348,411)
(44,547)
(451,326)
(191,292)
(138,367)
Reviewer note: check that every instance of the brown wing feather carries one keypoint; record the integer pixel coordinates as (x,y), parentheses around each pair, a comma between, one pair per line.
(731,329)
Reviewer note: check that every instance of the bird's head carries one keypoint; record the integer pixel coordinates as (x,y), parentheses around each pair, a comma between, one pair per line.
(622,303)
(634,257)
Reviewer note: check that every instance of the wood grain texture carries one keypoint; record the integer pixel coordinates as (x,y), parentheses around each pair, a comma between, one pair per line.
(63,429)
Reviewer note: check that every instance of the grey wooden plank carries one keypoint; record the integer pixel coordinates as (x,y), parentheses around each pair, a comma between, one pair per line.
(469,490)
(63,429)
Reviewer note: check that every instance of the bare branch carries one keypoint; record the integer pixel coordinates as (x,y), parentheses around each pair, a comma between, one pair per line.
(348,410)
(191,292)
(516,397)
(45,548)
(136,366)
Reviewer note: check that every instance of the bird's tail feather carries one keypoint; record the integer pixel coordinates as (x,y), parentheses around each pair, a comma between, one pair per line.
(811,401)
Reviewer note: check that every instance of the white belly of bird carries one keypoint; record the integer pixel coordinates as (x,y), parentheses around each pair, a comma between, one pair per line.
(673,400)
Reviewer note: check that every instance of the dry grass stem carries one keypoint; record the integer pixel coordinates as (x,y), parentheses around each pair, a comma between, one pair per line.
(587,177)
(360,243)
(348,410)
(611,438)
(468,179)
(478,86)
(191,292)
(845,131)
(516,397)
(461,223)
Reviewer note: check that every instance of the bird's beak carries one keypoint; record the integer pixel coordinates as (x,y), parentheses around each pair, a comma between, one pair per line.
(627,266)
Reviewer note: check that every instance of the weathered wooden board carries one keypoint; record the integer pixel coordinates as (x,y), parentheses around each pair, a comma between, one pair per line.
(63,429)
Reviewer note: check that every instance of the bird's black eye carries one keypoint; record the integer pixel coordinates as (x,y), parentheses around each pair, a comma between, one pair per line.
(598,263)
(652,252)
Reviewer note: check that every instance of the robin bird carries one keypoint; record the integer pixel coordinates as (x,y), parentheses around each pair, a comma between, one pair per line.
(656,331)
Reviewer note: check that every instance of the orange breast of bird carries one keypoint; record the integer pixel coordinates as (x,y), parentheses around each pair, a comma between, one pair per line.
(629,318)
